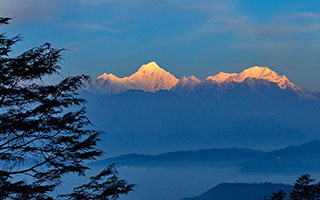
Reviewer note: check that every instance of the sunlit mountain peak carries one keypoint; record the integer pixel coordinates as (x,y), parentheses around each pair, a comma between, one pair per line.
(256,72)
(149,78)
(266,73)
(221,77)
(260,73)
(186,85)
(108,76)
(151,66)
(190,79)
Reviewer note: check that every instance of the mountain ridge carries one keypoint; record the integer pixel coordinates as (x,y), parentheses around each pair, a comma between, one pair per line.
(242,191)
(291,159)
(152,78)
(149,78)
(207,157)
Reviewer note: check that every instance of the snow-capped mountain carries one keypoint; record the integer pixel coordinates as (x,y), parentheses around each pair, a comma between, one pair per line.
(152,78)
(256,72)
(149,78)
(186,85)
(254,108)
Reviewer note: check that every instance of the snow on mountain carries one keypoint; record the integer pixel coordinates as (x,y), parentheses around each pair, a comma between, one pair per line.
(186,85)
(221,77)
(263,73)
(108,83)
(151,78)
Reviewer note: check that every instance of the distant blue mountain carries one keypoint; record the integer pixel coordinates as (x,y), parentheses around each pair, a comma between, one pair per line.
(297,159)
(208,157)
(152,111)
(303,158)
(242,191)
(137,121)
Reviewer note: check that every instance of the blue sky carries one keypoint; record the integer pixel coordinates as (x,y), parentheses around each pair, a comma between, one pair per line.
(185,37)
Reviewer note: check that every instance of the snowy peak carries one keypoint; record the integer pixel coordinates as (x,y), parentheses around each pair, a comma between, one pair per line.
(221,77)
(150,67)
(265,73)
(110,77)
(259,73)
(149,78)
(262,73)
(189,80)
(194,79)
(186,85)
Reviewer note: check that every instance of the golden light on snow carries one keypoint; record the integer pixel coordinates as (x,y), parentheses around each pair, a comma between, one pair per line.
(151,78)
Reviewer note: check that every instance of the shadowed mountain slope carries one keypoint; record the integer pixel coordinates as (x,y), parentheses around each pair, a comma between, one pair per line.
(242,191)
(151,111)
(208,157)
(296,159)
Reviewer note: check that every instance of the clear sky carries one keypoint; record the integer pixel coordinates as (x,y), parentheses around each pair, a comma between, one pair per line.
(199,37)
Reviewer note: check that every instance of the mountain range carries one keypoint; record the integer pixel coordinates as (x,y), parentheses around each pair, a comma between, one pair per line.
(242,191)
(149,78)
(304,158)
(152,111)
(152,78)
(226,157)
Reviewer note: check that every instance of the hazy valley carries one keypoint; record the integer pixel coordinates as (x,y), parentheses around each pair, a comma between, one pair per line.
(255,113)
(253,127)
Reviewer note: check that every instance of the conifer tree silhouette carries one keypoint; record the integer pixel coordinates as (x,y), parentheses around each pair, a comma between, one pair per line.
(280,195)
(44,131)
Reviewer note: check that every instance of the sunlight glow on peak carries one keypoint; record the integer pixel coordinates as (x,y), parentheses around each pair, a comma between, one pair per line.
(151,77)
(151,66)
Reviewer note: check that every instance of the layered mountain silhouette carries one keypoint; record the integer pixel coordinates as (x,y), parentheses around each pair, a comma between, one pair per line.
(242,191)
(152,111)
(296,159)
(209,157)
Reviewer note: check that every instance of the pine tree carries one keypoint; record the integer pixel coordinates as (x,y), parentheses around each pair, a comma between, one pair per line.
(280,195)
(303,189)
(44,131)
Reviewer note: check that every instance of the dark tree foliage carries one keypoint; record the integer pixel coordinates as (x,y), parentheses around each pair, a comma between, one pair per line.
(280,195)
(317,190)
(99,188)
(44,132)
(303,188)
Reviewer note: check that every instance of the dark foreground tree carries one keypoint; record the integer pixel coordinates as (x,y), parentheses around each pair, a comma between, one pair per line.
(304,189)
(98,188)
(280,195)
(44,132)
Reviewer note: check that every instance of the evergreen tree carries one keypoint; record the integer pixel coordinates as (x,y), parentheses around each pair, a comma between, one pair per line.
(280,195)
(317,190)
(44,131)
(303,189)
